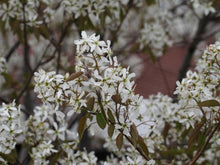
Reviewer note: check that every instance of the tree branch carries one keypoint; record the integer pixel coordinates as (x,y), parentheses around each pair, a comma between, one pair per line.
(196,40)
(26,47)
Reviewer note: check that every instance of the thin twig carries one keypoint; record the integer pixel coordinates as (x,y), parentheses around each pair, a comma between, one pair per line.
(30,77)
(13,48)
(59,45)
(115,32)
(26,47)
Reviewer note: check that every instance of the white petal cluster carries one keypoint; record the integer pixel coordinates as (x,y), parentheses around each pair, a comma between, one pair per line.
(55,88)
(45,125)
(202,7)
(106,79)
(201,85)
(96,10)
(10,126)
(41,152)
(76,157)
(156,31)
(102,79)
(14,9)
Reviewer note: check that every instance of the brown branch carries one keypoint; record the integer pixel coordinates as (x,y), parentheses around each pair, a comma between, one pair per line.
(115,32)
(59,45)
(26,46)
(30,77)
(13,48)
(196,40)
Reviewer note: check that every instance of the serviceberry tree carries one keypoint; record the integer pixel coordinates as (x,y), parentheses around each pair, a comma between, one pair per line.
(68,98)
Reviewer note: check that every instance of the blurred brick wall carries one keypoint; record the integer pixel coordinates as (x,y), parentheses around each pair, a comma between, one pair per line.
(154,76)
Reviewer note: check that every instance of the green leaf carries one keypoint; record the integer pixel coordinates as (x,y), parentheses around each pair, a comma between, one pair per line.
(119,141)
(101,106)
(152,56)
(10,158)
(209,103)
(150,2)
(148,50)
(82,125)
(143,146)
(110,116)
(100,120)
(201,140)
(111,129)
(121,14)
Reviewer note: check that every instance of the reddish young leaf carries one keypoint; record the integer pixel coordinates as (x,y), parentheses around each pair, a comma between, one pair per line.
(143,146)
(116,99)
(119,141)
(82,126)
(134,134)
(74,75)
(110,116)
(90,103)
(209,103)
(111,129)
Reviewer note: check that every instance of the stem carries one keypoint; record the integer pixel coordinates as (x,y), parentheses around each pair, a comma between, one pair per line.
(199,152)
(32,74)
(115,32)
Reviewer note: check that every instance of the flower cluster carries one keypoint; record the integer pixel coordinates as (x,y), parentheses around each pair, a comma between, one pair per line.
(105,80)
(99,98)
(45,125)
(96,11)
(201,85)
(58,89)
(41,152)
(10,126)
(203,7)
(13,9)
(156,33)
(76,157)
(101,87)
(46,132)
